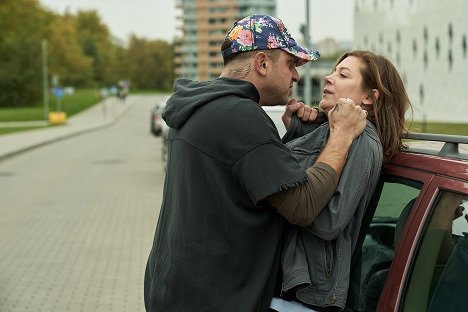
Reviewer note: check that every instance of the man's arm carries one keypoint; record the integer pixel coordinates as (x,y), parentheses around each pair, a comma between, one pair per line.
(346,121)
(297,205)
(302,204)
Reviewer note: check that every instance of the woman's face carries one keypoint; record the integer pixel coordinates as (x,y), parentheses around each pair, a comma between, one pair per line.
(344,82)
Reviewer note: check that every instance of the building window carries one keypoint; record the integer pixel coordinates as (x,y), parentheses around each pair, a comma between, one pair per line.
(464,45)
(450,32)
(450,59)
(425,35)
(398,37)
(421,93)
(389,48)
(437,47)
(425,59)
(415,48)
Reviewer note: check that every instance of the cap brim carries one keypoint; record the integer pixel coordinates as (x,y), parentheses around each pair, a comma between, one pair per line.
(305,55)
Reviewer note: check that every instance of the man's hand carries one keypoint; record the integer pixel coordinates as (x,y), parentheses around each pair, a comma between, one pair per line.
(346,119)
(303,112)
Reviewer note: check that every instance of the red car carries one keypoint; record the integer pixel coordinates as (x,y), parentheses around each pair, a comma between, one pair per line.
(413,253)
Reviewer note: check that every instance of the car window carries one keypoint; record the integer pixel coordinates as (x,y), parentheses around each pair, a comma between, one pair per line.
(394,203)
(439,276)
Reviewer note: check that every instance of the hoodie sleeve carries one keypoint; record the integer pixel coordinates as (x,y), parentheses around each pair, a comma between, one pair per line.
(265,165)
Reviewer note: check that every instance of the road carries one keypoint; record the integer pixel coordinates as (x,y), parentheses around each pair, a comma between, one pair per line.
(77,219)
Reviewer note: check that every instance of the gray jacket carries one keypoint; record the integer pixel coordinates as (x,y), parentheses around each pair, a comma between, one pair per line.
(316,259)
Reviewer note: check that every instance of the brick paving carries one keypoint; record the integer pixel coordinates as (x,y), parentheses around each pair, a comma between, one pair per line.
(77,218)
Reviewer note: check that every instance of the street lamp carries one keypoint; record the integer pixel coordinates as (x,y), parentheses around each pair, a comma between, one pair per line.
(307,82)
(45,79)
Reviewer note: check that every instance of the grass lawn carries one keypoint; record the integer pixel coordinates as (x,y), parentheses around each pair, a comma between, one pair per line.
(439,127)
(18,129)
(71,104)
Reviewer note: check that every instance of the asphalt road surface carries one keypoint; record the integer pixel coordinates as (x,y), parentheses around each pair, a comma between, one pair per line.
(77,219)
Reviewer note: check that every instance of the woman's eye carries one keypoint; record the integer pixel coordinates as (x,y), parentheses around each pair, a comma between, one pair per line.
(343,75)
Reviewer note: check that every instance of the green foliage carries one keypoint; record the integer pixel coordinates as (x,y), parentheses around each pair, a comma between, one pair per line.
(81,52)
(97,43)
(66,58)
(151,64)
(21,25)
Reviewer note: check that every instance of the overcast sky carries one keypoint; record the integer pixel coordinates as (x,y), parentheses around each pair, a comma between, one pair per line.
(155,19)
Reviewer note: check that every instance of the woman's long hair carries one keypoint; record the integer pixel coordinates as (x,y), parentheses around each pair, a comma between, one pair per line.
(388,111)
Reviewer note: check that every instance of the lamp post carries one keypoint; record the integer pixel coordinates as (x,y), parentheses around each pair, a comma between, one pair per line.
(307,82)
(45,79)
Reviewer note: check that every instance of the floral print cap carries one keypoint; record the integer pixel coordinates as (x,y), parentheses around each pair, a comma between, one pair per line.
(264,32)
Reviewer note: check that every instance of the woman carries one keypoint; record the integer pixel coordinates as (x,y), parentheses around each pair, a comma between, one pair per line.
(316,259)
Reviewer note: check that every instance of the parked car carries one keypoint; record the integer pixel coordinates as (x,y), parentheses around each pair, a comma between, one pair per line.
(275,113)
(414,250)
(156,122)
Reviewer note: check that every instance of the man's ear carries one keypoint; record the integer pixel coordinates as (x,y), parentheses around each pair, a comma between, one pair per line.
(371,98)
(261,63)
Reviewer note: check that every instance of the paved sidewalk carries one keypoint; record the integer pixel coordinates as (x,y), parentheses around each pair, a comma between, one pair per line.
(100,115)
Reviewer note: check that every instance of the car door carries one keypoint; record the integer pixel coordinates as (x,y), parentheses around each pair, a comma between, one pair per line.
(436,272)
(406,250)
(399,194)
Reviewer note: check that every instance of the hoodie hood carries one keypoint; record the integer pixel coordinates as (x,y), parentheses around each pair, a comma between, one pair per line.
(190,95)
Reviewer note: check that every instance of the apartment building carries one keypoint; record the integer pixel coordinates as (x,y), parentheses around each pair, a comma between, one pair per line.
(202,25)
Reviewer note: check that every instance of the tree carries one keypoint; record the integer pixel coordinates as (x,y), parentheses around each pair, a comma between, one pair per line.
(96,43)
(81,51)
(21,24)
(152,63)
(66,58)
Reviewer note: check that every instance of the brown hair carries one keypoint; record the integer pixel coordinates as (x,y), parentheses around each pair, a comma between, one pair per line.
(388,111)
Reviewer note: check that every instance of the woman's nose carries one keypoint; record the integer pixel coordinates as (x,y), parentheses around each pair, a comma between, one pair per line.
(328,79)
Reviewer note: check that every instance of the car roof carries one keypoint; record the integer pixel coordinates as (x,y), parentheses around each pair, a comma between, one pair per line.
(276,114)
(436,153)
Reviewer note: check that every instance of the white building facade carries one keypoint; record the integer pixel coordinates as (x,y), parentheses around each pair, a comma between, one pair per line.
(427,40)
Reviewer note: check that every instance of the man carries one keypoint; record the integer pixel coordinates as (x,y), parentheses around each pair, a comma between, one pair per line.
(231,185)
